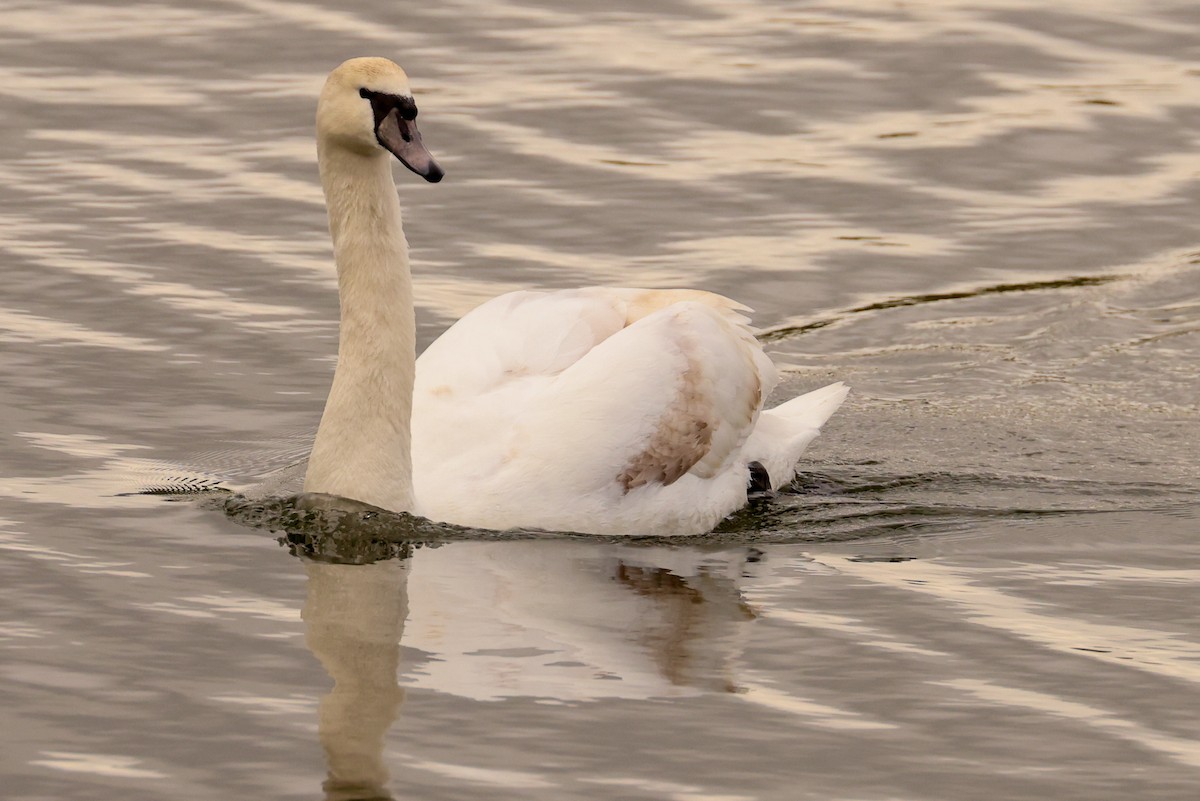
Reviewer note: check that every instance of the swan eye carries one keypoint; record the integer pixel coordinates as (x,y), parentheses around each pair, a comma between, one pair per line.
(382,103)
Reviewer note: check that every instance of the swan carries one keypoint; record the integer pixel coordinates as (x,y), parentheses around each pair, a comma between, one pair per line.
(597,410)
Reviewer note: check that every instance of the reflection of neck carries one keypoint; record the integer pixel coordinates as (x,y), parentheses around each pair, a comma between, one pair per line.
(353,620)
(362,449)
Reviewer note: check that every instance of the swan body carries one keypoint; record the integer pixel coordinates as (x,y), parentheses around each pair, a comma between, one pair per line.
(601,410)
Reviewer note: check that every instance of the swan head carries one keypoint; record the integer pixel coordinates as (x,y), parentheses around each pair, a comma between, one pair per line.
(367,108)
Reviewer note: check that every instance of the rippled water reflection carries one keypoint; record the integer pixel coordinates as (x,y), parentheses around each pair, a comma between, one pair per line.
(980,215)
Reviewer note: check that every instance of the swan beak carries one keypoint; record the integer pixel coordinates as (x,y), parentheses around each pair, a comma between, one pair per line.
(404,140)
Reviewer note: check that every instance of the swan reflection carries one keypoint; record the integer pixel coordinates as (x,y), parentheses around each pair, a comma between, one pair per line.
(353,622)
(556,621)
(575,621)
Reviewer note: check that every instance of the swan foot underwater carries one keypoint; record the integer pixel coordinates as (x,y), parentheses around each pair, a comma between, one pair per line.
(598,410)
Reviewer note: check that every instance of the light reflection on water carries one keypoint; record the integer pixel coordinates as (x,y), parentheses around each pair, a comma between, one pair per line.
(980,215)
(578,623)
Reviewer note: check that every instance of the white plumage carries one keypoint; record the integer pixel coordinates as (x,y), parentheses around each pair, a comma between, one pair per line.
(604,410)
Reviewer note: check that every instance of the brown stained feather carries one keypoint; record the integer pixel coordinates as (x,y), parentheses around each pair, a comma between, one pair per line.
(692,435)
(683,438)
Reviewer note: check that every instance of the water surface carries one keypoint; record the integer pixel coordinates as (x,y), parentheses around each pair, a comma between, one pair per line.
(980,215)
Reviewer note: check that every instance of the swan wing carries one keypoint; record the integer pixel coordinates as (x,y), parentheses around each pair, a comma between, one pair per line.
(541,333)
(676,392)
(590,396)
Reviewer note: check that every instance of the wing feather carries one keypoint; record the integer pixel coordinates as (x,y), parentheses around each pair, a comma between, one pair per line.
(676,392)
(588,391)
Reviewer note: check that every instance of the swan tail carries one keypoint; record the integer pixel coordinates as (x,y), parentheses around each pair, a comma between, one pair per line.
(783,433)
(812,409)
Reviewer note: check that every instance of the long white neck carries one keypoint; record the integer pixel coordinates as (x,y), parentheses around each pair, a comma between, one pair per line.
(362,450)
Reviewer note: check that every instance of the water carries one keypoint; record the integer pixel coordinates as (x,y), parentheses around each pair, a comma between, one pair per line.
(980,215)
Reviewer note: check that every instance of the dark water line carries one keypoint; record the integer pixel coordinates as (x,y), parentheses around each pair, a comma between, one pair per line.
(788,331)
(366,535)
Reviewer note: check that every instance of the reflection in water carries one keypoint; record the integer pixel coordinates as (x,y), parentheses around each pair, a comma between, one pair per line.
(353,621)
(562,621)
(679,644)
(1151,648)
(576,621)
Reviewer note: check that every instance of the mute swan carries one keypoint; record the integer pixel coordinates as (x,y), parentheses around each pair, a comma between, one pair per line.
(595,410)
